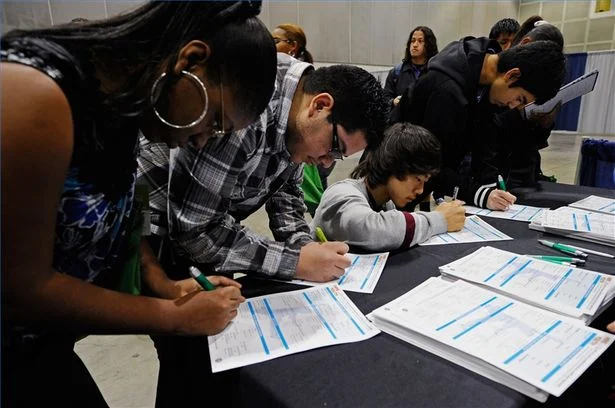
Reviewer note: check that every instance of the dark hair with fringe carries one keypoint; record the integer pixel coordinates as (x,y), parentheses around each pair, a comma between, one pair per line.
(527,26)
(296,34)
(504,26)
(405,150)
(360,103)
(431,44)
(546,32)
(542,65)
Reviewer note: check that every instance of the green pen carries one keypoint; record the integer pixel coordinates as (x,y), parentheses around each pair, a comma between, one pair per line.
(501,183)
(563,248)
(558,259)
(201,279)
(320,235)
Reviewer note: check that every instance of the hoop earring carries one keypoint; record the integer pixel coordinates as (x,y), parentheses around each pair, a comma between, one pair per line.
(154,94)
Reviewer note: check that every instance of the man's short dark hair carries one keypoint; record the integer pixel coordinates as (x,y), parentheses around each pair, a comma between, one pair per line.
(546,32)
(360,103)
(542,65)
(504,26)
(406,149)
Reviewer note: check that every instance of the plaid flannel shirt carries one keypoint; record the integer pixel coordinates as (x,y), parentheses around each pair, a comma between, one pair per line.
(213,189)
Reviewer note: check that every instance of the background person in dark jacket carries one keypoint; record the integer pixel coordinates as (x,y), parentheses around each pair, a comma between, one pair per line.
(420,47)
(457,99)
(504,32)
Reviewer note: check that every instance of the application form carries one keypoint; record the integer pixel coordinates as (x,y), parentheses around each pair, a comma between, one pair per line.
(474,230)
(277,325)
(516,212)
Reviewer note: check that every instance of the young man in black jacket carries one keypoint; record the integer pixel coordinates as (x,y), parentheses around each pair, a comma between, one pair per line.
(458,97)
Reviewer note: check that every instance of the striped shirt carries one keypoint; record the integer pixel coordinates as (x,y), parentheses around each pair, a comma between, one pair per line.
(213,189)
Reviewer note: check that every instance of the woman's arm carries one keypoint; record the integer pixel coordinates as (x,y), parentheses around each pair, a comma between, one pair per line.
(37,140)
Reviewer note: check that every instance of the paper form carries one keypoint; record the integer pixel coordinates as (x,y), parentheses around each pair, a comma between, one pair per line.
(272,326)
(361,276)
(597,204)
(474,230)
(561,288)
(580,86)
(571,219)
(516,212)
(546,350)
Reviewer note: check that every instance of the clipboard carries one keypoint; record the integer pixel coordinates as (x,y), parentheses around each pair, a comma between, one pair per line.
(580,86)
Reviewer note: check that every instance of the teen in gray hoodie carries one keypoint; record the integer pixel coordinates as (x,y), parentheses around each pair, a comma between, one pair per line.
(362,210)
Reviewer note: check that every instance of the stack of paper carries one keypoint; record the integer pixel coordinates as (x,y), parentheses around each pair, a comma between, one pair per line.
(596,204)
(516,212)
(272,326)
(574,292)
(579,224)
(532,350)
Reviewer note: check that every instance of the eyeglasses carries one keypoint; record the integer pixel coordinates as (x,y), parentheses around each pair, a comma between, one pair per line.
(277,40)
(218,126)
(337,148)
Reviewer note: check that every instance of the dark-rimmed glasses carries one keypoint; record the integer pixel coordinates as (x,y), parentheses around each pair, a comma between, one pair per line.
(337,148)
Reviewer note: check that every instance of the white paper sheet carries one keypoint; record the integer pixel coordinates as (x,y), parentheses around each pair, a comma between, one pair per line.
(474,230)
(561,288)
(272,326)
(596,203)
(580,86)
(516,212)
(361,276)
(575,220)
(546,350)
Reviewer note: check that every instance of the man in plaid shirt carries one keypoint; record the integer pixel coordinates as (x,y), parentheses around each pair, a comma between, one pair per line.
(314,116)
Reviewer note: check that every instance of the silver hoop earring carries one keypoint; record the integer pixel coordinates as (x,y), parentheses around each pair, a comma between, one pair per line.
(154,95)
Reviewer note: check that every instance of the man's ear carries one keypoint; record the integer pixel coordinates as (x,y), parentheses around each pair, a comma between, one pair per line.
(512,75)
(525,40)
(322,101)
(194,53)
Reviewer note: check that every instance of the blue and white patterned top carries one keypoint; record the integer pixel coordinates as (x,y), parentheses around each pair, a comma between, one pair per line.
(98,195)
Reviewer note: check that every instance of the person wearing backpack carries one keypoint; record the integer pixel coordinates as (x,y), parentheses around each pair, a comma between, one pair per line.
(420,47)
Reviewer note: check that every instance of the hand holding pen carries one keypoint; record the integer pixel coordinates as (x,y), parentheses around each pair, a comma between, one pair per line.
(500,200)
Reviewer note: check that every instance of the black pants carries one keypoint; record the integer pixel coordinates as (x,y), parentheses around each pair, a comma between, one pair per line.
(46,372)
(184,376)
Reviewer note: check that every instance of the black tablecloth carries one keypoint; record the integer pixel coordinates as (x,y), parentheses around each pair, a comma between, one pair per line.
(386,372)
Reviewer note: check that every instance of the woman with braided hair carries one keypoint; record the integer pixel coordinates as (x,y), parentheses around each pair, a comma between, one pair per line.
(74,98)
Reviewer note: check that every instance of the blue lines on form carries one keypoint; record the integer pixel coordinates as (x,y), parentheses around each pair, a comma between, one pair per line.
(559,283)
(515,273)
(275,323)
(608,205)
(589,290)
(535,214)
(519,212)
(345,311)
(474,309)
(343,278)
(568,357)
(258,328)
(488,231)
(531,343)
(589,227)
(501,268)
(320,316)
(370,272)
(574,221)
(483,320)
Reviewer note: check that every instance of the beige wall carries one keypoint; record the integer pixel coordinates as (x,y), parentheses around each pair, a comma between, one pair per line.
(581,30)
(359,32)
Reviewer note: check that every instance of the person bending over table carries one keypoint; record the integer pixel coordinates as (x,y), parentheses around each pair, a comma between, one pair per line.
(73,99)
(361,210)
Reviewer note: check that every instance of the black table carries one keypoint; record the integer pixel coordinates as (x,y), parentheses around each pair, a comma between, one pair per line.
(386,372)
